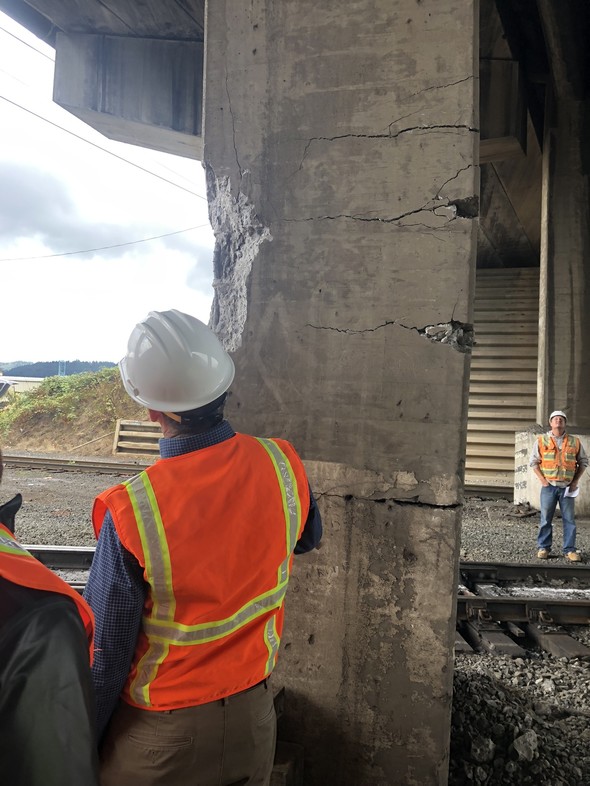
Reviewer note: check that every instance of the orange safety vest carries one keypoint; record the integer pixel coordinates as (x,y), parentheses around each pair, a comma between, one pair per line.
(214,531)
(20,567)
(559,465)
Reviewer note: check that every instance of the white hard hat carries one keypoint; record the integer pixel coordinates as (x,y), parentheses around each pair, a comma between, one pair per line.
(555,413)
(175,363)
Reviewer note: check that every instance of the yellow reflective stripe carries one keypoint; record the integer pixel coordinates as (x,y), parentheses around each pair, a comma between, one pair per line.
(147,670)
(10,546)
(159,573)
(178,633)
(272,641)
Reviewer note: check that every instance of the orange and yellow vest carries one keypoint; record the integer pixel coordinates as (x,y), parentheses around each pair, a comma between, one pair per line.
(214,531)
(20,567)
(559,465)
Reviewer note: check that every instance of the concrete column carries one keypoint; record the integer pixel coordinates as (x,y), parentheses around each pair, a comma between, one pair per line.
(340,148)
(566,298)
(564,345)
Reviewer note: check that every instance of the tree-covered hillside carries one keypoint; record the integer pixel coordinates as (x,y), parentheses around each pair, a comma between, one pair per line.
(53,368)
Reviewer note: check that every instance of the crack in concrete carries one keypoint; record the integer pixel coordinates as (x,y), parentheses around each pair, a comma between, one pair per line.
(351,332)
(414,500)
(465,207)
(388,135)
(458,335)
(440,87)
(233,123)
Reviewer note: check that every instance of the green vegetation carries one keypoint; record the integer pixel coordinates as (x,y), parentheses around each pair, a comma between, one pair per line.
(65,411)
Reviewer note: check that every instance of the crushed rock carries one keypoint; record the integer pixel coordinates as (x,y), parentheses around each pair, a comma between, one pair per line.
(515,721)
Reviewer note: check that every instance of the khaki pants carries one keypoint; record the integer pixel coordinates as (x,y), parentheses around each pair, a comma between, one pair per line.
(223,743)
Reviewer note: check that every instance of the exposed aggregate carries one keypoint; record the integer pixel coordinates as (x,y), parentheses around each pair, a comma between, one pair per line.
(515,721)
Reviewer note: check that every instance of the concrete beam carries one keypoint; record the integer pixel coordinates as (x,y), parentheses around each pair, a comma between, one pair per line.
(564,347)
(144,91)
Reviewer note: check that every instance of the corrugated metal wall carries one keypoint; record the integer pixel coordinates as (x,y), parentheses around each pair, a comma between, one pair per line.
(503,383)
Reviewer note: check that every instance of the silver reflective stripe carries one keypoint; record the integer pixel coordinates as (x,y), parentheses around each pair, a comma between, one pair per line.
(147,670)
(272,643)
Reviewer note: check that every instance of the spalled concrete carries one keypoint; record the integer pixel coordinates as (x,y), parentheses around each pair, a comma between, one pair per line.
(345,138)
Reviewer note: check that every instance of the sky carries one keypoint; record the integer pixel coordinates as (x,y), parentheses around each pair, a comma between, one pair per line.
(61,194)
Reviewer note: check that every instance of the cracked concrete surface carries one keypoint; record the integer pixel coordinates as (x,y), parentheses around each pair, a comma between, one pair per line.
(438,206)
(341,481)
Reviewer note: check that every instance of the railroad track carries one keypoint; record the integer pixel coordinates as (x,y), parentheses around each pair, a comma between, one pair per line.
(501,608)
(499,605)
(95,466)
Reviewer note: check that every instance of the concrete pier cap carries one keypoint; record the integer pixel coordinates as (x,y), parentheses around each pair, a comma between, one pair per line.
(340,145)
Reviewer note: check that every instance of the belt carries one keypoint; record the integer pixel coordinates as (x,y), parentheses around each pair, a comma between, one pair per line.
(222,701)
(246,690)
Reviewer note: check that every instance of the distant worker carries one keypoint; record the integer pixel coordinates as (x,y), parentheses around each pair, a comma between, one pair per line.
(559,461)
(190,574)
(47,710)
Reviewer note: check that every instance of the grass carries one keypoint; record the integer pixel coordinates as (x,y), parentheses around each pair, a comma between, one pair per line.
(64,412)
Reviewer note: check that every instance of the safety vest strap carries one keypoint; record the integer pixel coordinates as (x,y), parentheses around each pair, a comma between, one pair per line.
(154,545)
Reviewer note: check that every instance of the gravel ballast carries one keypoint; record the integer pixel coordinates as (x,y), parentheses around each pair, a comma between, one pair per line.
(515,721)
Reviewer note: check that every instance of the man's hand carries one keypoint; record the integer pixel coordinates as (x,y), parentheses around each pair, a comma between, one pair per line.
(542,479)
(573,487)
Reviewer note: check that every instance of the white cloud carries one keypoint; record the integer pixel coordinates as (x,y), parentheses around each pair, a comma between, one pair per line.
(60,194)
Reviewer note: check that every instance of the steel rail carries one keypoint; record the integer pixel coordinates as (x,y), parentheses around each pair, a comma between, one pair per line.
(547,609)
(63,557)
(491,572)
(471,573)
(75,464)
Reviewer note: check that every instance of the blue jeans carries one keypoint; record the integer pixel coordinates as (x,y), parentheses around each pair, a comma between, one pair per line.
(550,496)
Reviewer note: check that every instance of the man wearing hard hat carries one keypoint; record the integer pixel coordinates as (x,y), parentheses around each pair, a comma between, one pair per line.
(558,460)
(190,574)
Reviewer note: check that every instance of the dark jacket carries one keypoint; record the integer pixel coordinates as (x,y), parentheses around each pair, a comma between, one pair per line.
(47,712)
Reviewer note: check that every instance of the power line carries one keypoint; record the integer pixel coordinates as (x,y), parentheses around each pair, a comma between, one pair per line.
(102,248)
(98,147)
(34,48)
